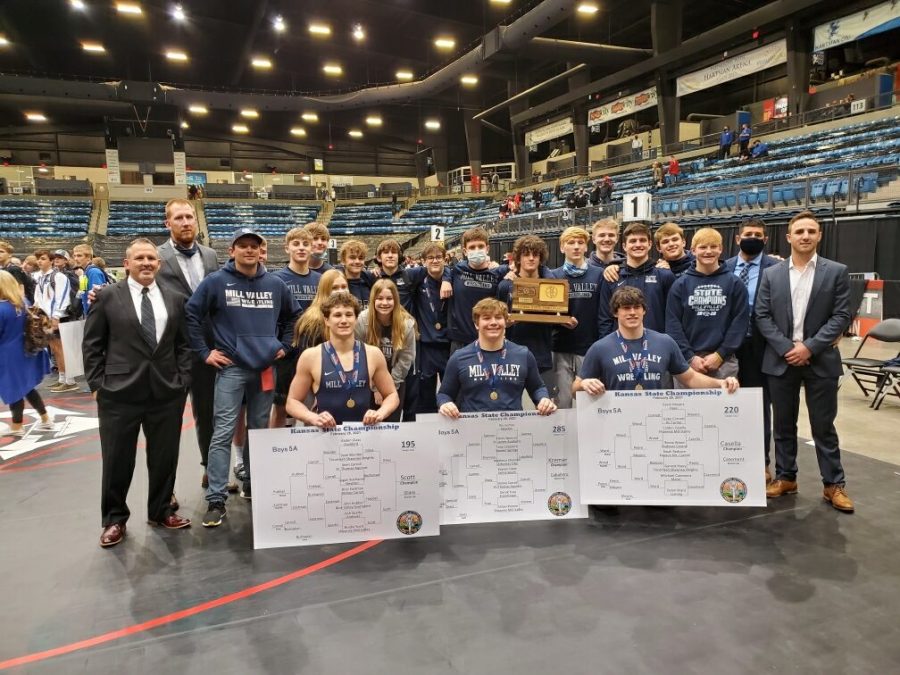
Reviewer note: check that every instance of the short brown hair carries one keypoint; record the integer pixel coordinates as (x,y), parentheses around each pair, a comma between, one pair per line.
(474,234)
(389,245)
(300,233)
(667,230)
(178,201)
(434,248)
(530,243)
(339,299)
(353,247)
(636,229)
(489,307)
(41,252)
(317,230)
(753,222)
(626,296)
(6,246)
(804,215)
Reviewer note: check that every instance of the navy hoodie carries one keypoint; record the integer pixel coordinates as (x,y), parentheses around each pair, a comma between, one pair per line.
(683,264)
(708,313)
(537,337)
(584,298)
(469,286)
(252,318)
(653,281)
(617,259)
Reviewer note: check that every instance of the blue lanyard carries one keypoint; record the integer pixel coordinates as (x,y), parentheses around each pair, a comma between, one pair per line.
(490,374)
(346,383)
(637,366)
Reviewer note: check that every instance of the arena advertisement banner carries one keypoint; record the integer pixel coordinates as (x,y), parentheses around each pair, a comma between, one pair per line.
(622,107)
(878,19)
(549,132)
(731,69)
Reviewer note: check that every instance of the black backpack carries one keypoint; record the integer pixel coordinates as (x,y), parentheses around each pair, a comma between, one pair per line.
(75,310)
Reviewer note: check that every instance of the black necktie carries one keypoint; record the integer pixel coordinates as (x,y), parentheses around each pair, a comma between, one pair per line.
(148,320)
(745,274)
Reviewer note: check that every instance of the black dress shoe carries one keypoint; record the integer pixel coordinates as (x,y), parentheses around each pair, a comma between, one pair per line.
(173,503)
(112,535)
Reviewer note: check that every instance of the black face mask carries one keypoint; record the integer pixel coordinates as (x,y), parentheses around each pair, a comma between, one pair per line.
(752,246)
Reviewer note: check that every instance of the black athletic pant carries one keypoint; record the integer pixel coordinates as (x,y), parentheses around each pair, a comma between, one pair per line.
(120,423)
(749,356)
(18,408)
(203,388)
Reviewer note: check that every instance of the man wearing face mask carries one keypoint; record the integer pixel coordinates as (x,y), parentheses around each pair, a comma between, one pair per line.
(748,266)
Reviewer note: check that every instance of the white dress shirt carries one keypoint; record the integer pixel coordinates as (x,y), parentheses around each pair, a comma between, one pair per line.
(801,288)
(160,314)
(191,267)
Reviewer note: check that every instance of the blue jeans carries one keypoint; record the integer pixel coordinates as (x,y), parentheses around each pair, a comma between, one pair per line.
(233,385)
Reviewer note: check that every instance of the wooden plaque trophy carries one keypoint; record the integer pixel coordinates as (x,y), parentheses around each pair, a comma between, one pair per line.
(540,300)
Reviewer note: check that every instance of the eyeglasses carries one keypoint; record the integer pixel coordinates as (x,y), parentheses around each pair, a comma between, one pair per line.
(434,259)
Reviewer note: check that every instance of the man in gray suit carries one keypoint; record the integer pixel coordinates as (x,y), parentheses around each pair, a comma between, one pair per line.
(184,264)
(802,309)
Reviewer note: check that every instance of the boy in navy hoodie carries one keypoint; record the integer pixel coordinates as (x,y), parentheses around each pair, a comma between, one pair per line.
(605,234)
(251,313)
(671,244)
(639,272)
(353,259)
(707,312)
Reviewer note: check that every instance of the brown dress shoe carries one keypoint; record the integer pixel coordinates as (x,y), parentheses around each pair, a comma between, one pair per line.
(781,487)
(112,535)
(838,498)
(172,522)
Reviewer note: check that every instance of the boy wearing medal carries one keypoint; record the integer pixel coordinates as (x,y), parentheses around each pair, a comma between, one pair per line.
(636,358)
(491,373)
(341,373)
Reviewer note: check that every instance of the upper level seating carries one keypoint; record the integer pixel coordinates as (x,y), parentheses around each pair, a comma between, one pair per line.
(268,218)
(136,218)
(58,187)
(399,189)
(440,211)
(44,217)
(363,218)
(294,192)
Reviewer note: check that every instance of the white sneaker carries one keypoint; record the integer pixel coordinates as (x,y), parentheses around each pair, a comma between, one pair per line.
(45,426)
(15,433)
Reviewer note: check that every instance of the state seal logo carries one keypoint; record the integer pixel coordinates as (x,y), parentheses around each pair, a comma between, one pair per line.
(733,490)
(559,503)
(409,522)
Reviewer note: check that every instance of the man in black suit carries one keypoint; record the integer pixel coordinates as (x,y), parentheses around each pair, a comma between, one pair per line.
(748,266)
(138,365)
(802,310)
(184,263)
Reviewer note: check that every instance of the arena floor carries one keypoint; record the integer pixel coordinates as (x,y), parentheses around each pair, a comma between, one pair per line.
(796,587)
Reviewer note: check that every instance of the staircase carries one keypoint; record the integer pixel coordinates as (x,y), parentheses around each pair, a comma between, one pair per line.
(325,214)
(203,230)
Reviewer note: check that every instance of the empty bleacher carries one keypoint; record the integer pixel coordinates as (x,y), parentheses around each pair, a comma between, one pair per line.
(136,219)
(229,190)
(364,219)
(57,187)
(440,211)
(20,218)
(271,219)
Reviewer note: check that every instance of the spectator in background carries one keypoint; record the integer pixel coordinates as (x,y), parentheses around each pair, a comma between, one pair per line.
(93,276)
(570,200)
(606,189)
(517,202)
(581,198)
(759,149)
(503,210)
(594,196)
(725,141)
(657,175)
(637,148)
(537,199)
(674,171)
(52,296)
(30,266)
(23,278)
(557,189)
(744,140)
(495,181)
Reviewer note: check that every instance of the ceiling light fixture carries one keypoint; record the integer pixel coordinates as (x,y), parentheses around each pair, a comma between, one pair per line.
(198,109)
(240,128)
(173,55)
(129,8)
(3,41)
(77,4)
(355,133)
(374,121)
(359,34)
(261,62)
(35,117)
(309,117)
(185,125)
(178,14)
(404,75)
(332,69)
(444,43)
(94,47)
(500,2)
(469,80)
(298,131)
(432,125)
(249,113)
(279,25)
(320,29)
(588,8)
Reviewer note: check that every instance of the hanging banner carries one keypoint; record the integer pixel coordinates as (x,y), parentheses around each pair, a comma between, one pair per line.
(113,175)
(622,107)
(878,19)
(179,161)
(731,69)
(549,132)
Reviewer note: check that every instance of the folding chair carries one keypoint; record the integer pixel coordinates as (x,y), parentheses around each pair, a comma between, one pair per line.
(867,371)
(889,385)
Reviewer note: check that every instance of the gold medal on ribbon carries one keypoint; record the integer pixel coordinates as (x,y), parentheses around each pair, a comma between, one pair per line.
(494,395)
(351,403)
(639,387)
(437,326)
